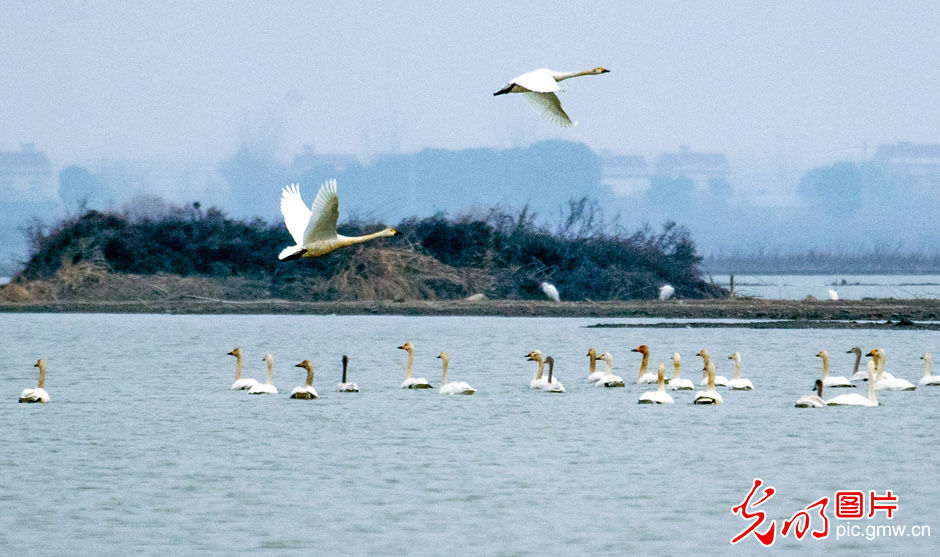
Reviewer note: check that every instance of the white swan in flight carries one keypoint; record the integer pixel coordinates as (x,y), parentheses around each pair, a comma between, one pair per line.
(38,394)
(593,375)
(677,383)
(720,380)
(265,388)
(813,400)
(305,391)
(644,377)
(659,396)
(240,384)
(609,379)
(554,385)
(314,229)
(412,382)
(928,380)
(709,395)
(343,386)
(665,292)
(540,86)
(856,399)
(455,388)
(888,383)
(739,383)
(550,291)
(834,381)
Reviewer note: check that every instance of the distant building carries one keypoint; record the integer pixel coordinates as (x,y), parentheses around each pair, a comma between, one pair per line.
(701,168)
(625,174)
(27,176)
(919,163)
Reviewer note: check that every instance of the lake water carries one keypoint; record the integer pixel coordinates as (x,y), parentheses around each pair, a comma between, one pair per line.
(144,450)
(848,287)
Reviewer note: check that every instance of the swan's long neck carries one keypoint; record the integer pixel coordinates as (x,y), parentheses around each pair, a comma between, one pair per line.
(444,372)
(610,366)
(926,367)
(871,383)
(309,382)
(858,360)
(350,240)
(238,367)
(711,378)
(819,388)
(644,364)
(825,359)
(660,379)
(568,75)
(42,375)
(541,369)
(345,363)
(675,369)
(411,359)
(270,371)
(551,370)
(593,364)
(737,368)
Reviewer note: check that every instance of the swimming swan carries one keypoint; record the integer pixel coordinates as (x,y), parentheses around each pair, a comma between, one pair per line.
(305,391)
(38,394)
(888,383)
(644,377)
(609,379)
(240,384)
(540,86)
(314,229)
(856,374)
(265,388)
(739,384)
(830,382)
(593,374)
(554,385)
(710,395)
(720,380)
(928,380)
(659,396)
(412,382)
(343,386)
(814,400)
(856,399)
(539,382)
(455,388)
(677,383)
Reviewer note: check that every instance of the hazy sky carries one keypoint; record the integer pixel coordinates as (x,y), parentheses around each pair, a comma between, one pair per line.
(814,81)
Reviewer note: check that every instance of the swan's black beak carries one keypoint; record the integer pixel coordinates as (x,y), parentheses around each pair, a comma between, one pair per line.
(605,70)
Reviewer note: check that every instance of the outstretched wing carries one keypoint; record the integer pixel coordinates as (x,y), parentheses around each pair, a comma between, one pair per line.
(537,81)
(296,214)
(548,105)
(324,212)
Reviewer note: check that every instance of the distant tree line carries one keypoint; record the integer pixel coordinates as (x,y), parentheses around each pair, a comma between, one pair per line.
(496,252)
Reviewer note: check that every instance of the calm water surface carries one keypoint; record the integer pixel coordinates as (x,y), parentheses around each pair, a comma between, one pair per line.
(848,287)
(144,450)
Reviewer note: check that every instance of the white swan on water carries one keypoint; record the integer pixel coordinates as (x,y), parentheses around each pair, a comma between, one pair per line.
(38,394)
(831,381)
(593,375)
(265,388)
(644,377)
(888,383)
(241,383)
(856,399)
(709,395)
(455,388)
(343,386)
(928,380)
(677,383)
(813,400)
(739,383)
(305,391)
(554,385)
(609,379)
(540,86)
(659,396)
(720,380)
(412,382)
(539,382)
(314,229)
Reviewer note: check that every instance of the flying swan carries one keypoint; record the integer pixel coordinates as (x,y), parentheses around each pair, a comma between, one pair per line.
(455,388)
(412,382)
(659,396)
(540,87)
(343,386)
(38,394)
(305,391)
(265,388)
(314,229)
(240,384)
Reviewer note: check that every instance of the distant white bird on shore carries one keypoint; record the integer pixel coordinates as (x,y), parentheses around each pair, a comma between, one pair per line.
(833,295)
(666,291)
(314,229)
(540,87)
(550,291)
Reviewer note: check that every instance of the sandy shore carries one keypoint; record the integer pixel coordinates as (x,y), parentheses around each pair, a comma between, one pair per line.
(790,313)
